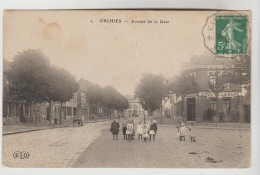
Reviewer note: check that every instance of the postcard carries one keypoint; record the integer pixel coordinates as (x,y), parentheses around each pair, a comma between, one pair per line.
(126,89)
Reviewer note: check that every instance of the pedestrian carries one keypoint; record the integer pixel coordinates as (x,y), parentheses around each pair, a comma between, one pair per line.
(192,132)
(133,134)
(153,130)
(129,130)
(139,129)
(115,129)
(124,125)
(146,128)
(182,132)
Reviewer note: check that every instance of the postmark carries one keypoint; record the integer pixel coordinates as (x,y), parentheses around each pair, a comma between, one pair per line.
(227,34)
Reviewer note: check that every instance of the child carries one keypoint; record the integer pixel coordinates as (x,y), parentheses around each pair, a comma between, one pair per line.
(145,131)
(139,129)
(192,132)
(124,124)
(115,129)
(153,130)
(182,131)
(130,130)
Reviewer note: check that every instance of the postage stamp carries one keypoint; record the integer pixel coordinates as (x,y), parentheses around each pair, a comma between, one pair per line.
(226,34)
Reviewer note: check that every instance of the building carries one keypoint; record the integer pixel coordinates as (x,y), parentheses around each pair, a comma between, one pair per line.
(82,102)
(135,107)
(15,111)
(233,104)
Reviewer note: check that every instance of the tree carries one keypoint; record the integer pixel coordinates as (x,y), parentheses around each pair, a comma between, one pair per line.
(240,72)
(94,96)
(29,77)
(150,90)
(62,86)
(183,85)
(217,86)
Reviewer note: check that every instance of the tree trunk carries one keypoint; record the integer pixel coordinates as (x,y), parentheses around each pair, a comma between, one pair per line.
(161,112)
(60,111)
(34,112)
(217,104)
(150,112)
(182,106)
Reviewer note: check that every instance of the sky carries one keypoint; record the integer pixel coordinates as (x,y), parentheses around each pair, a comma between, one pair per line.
(115,54)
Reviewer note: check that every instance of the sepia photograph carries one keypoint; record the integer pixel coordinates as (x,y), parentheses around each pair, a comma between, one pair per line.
(126,89)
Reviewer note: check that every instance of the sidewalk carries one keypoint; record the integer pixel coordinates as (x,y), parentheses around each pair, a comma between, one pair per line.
(28,127)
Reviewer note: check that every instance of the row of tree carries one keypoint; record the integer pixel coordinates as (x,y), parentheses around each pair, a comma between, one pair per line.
(33,79)
(107,97)
(153,89)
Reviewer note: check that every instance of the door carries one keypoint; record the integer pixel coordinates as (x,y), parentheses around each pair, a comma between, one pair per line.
(247,113)
(191,115)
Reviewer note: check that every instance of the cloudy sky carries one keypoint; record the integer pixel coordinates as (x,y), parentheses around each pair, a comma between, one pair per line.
(114,54)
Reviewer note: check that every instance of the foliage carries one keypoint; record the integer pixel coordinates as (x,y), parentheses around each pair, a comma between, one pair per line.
(29,76)
(33,79)
(108,97)
(185,84)
(240,70)
(62,85)
(150,90)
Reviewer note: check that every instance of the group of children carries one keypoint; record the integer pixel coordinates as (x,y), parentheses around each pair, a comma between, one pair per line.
(183,131)
(145,130)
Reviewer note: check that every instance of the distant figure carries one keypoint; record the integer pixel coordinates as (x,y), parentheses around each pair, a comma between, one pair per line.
(192,132)
(115,129)
(146,128)
(82,120)
(182,131)
(153,130)
(139,129)
(124,127)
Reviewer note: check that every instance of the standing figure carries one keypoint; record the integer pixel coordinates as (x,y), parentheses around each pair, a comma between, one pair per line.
(182,131)
(124,125)
(115,129)
(129,130)
(139,129)
(153,130)
(229,33)
(192,132)
(146,129)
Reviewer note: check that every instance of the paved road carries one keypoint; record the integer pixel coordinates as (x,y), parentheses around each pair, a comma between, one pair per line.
(92,146)
(214,148)
(50,148)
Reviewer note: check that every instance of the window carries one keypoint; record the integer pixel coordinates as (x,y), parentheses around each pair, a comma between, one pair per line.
(212,80)
(211,73)
(135,106)
(213,104)
(226,86)
(226,105)
(193,74)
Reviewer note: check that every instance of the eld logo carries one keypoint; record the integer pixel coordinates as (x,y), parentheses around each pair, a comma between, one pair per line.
(21,155)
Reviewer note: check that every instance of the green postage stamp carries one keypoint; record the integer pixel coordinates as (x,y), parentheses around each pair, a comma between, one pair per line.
(227,34)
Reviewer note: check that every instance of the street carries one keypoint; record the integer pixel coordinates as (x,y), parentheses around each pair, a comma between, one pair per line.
(91,146)
(52,147)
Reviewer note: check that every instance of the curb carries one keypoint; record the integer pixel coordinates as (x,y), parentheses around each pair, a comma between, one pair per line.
(30,130)
(201,127)
(40,129)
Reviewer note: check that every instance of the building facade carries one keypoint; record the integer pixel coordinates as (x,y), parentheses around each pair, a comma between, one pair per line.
(232,103)
(135,107)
